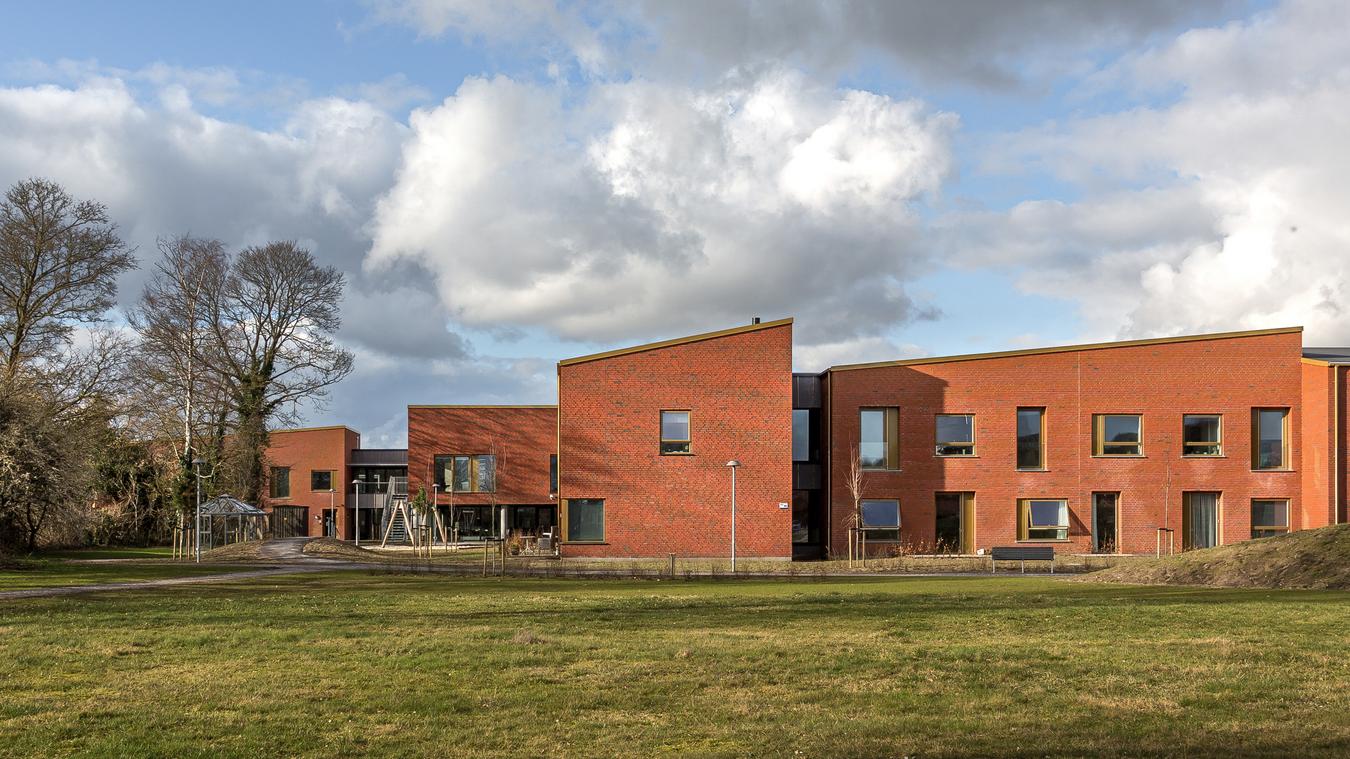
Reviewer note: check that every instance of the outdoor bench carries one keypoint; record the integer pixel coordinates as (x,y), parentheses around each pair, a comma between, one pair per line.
(1022,554)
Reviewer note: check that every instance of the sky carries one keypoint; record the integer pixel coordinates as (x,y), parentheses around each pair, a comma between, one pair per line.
(512,182)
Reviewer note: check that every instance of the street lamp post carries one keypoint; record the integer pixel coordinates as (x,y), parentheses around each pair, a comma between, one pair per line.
(436,514)
(357,530)
(733,464)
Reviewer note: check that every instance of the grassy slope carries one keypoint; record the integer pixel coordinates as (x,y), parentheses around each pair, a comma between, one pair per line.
(1305,559)
(343,664)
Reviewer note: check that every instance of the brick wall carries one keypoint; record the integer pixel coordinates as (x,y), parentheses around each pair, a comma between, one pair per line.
(307,450)
(1161,381)
(738,390)
(522,438)
(1318,434)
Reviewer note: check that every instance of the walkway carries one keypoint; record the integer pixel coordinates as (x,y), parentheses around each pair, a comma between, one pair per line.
(70,590)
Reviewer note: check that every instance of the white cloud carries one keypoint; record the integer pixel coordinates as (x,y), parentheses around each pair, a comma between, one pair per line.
(1232,196)
(653,209)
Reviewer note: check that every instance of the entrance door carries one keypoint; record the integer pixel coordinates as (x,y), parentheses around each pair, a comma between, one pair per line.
(1200,520)
(289,521)
(474,522)
(1105,513)
(954,525)
(330,523)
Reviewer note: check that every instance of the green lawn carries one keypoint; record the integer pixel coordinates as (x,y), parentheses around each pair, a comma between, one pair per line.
(111,552)
(50,574)
(352,663)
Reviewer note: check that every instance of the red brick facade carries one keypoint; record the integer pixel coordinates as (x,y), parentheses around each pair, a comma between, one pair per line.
(1160,380)
(737,387)
(521,437)
(304,451)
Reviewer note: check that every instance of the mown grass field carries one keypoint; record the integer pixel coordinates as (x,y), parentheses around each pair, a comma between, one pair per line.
(350,663)
(42,573)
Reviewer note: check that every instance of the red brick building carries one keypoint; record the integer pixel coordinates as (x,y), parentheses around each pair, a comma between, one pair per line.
(311,482)
(1107,448)
(645,435)
(490,469)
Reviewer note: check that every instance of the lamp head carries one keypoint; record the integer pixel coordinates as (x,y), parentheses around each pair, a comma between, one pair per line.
(733,463)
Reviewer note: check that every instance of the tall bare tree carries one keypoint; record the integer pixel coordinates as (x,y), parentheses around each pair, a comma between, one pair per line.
(59,263)
(853,482)
(172,319)
(271,327)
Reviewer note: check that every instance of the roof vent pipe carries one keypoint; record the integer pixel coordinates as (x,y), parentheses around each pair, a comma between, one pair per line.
(754,320)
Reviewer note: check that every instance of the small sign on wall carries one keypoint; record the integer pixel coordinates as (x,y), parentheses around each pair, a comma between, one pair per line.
(782,505)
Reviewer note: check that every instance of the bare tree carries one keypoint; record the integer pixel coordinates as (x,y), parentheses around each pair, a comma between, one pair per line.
(59,263)
(172,317)
(853,481)
(271,326)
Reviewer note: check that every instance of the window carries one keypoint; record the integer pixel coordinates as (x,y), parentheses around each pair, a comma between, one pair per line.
(956,434)
(1270,441)
(1118,435)
(1043,519)
(279,485)
(1269,517)
(877,447)
(320,481)
(1031,439)
(586,519)
(801,434)
(674,432)
(1199,520)
(881,520)
(553,473)
(467,474)
(1201,435)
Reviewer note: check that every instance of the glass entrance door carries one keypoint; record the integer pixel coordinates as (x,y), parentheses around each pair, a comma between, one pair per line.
(1105,538)
(474,522)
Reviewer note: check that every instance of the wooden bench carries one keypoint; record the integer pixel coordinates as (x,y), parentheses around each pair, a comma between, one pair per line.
(1021,554)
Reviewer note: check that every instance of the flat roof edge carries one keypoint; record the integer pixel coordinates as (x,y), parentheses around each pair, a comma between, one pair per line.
(313,429)
(676,341)
(481,405)
(1068,348)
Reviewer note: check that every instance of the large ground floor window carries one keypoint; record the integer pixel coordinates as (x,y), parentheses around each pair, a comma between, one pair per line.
(1199,520)
(586,519)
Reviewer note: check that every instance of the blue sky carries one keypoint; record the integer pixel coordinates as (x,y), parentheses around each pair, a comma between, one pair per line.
(509,183)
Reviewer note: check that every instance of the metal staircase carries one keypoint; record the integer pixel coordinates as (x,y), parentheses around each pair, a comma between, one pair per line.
(397,530)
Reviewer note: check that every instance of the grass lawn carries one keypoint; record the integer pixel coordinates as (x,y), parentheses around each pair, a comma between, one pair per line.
(50,574)
(111,552)
(349,663)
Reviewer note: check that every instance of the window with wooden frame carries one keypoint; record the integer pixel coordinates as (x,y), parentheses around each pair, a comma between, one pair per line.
(320,481)
(1201,435)
(1042,519)
(553,473)
(1270,438)
(955,435)
(1270,516)
(1031,439)
(1118,435)
(881,519)
(878,439)
(675,433)
(585,520)
(466,474)
(279,483)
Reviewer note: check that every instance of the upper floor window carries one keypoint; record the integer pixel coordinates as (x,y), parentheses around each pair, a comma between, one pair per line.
(955,434)
(1042,519)
(1270,438)
(467,474)
(801,434)
(321,481)
(675,432)
(553,473)
(1270,516)
(1031,438)
(279,484)
(1201,435)
(1118,435)
(877,444)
